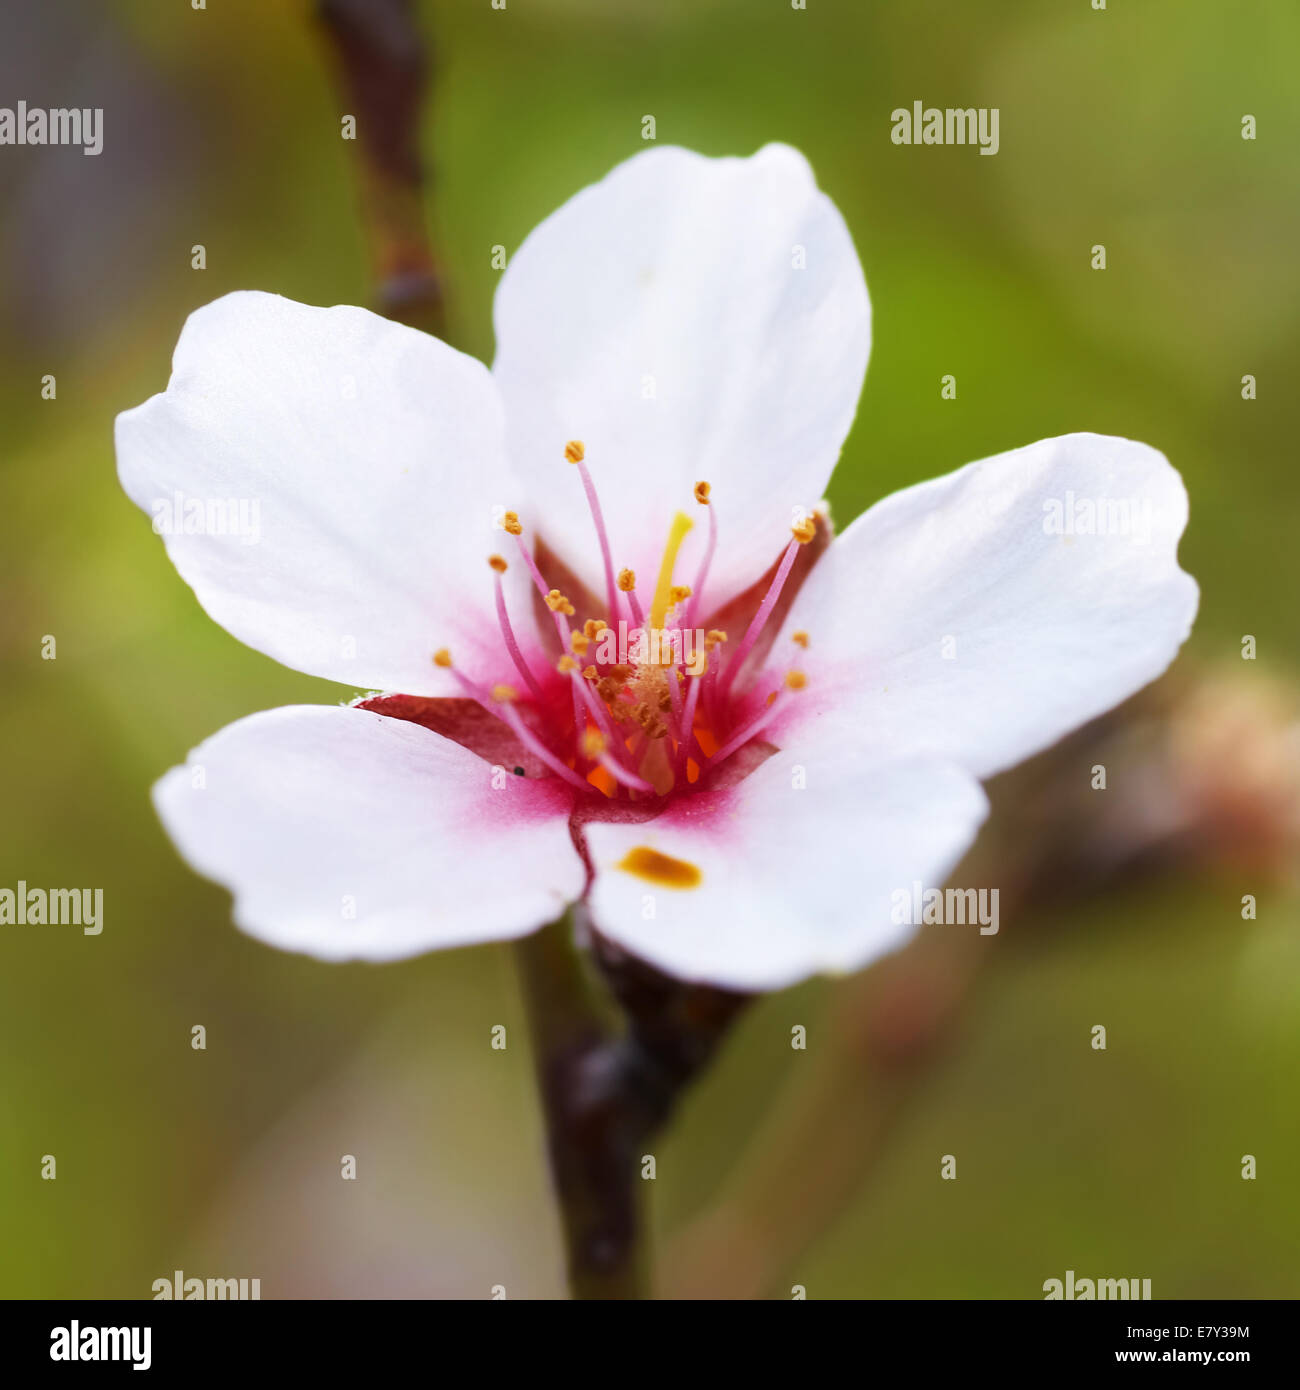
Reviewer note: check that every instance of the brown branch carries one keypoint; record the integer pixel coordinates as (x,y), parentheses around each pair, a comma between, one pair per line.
(383,75)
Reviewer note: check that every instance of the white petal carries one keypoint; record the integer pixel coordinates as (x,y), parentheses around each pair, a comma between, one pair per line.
(951,618)
(368,458)
(345,834)
(677,274)
(795,879)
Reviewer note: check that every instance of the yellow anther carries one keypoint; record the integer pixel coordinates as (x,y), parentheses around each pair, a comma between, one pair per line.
(627,580)
(713,637)
(442,657)
(590,673)
(579,642)
(504,692)
(574,452)
(557,603)
(702,491)
(795,680)
(679,593)
(800,639)
(593,743)
(511,523)
(593,627)
(804,530)
(566,664)
(498,563)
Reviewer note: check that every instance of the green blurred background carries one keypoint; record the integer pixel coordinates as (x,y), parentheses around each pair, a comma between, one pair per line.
(222,128)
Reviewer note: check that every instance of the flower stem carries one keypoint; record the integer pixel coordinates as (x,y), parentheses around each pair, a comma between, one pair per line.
(593,1170)
(606,1093)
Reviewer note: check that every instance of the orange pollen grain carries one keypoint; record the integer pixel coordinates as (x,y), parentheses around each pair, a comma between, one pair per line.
(795,680)
(442,657)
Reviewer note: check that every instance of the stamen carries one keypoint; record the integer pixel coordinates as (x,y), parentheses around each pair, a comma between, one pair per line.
(703,496)
(503,709)
(677,532)
(748,729)
(594,746)
(800,639)
(688,723)
(765,608)
(525,735)
(508,632)
(576,453)
(557,603)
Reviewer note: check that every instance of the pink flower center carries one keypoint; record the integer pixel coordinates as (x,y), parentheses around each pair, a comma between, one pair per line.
(639,704)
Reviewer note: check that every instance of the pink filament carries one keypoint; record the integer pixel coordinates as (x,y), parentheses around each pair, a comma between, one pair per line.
(760,618)
(611,589)
(512,646)
(698,591)
(747,730)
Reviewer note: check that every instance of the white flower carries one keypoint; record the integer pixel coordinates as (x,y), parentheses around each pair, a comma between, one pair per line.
(687,319)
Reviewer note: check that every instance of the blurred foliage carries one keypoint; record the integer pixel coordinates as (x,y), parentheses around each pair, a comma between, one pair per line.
(222,128)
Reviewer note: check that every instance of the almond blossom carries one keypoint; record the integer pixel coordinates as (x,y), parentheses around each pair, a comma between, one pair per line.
(624,660)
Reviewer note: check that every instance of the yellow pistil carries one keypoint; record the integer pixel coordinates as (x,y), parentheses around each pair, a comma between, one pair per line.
(442,657)
(677,533)
(498,563)
(574,452)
